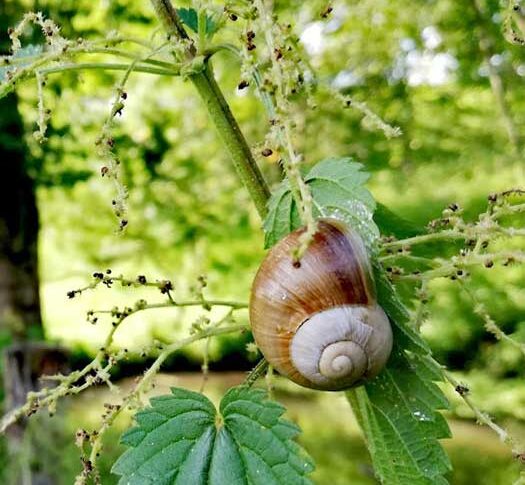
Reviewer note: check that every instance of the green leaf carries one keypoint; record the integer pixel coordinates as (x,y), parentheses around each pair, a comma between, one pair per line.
(390,224)
(190,18)
(398,410)
(337,187)
(387,297)
(182,440)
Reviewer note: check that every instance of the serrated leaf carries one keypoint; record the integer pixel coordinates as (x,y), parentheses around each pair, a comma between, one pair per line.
(190,18)
(337,187)
(180,439)
(398,410)
(387,297)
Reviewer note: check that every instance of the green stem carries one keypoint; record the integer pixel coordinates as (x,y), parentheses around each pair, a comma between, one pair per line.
(256,372)
(201,25)
(480,416)
(424,238)
(108,67)
(233,139)
(169,18)
(220,113)
(80,50)
(235,305)
(409,257)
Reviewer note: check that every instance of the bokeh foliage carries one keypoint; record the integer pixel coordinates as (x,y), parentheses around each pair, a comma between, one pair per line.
(188,213)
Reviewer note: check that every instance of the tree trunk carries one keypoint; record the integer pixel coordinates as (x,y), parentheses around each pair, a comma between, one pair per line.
(20,317)
(24,364)
(19,288)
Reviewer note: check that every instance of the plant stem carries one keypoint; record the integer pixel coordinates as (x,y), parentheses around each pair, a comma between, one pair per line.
(480,416)
(233,139)
(235,305)
(256,372)
(145,381)
(220,113)
(424,238)
(300,191)
(108,67)
(169,18)
(409,257)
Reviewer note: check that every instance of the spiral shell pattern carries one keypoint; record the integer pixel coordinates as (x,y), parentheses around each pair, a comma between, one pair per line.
(342,346)
(318,323)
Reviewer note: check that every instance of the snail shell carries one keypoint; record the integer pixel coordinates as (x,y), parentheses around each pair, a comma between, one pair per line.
(317,321)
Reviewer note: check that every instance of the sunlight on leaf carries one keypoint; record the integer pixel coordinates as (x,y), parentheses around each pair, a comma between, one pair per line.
(337,187)
(182,439)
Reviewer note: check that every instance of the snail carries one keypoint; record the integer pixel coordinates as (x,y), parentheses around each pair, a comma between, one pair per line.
(316,320)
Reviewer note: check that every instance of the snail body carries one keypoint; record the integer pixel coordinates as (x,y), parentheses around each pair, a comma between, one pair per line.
(317,321)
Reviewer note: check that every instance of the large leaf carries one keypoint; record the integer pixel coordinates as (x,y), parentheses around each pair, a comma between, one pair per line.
(398,410)
(338,190)
(397,414)
(337,187)
(181,440)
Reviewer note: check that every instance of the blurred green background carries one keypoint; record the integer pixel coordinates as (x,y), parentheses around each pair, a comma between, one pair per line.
(440,70)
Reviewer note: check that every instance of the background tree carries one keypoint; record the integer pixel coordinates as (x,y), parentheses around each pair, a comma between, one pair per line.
(444,72)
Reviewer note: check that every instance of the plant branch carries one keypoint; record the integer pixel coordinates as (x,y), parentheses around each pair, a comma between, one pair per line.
(169,18)
(482,418)
(489,323)
(97,371)
(108,67)
(145,381)
(256,372)
(219,111)
(450,267)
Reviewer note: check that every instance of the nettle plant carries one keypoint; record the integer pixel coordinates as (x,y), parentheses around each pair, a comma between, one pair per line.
(324,309)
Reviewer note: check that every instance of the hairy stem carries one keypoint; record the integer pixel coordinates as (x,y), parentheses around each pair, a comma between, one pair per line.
(146,380)
(233,139)
(299,189)
(219,111)
(107,67)
(256,372)
(482,417)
